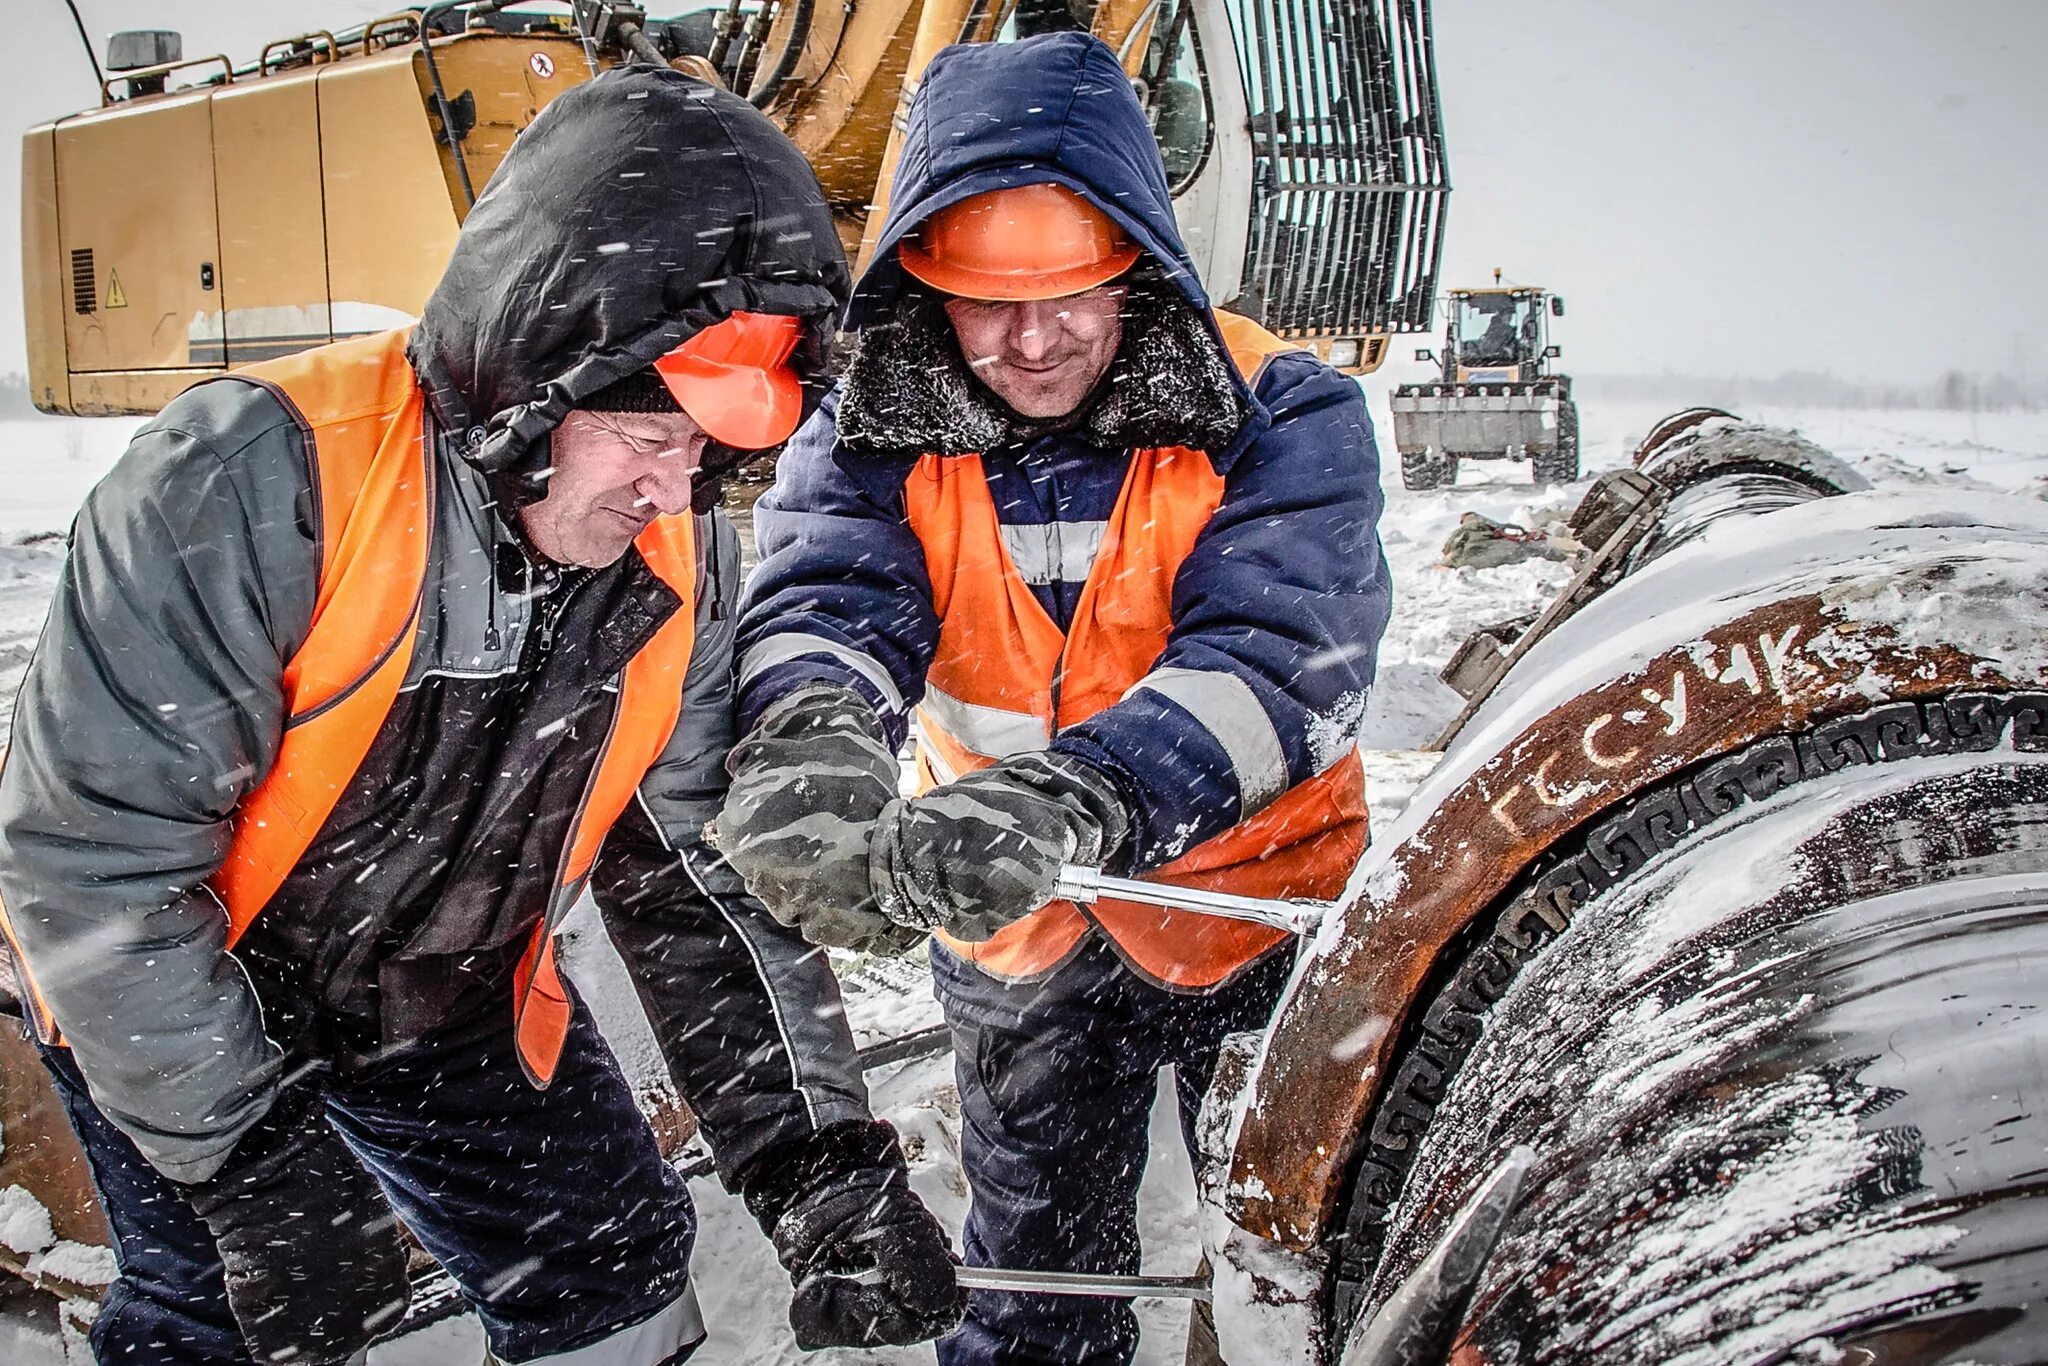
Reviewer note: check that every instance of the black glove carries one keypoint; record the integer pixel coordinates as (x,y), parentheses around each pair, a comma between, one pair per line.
(807,783)
(837,1203)
(315,1263)
(978,853)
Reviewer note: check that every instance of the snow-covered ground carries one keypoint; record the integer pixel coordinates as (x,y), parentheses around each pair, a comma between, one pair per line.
(47,465)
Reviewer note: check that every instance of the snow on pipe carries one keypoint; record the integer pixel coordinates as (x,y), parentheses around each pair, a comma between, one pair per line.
(1679,910)
(1695,468)
(1715,465)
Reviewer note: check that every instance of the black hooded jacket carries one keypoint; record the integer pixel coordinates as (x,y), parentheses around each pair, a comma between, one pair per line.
(636,210)
(597,247)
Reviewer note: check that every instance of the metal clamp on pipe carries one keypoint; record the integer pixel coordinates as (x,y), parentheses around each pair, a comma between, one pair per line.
(1085,886)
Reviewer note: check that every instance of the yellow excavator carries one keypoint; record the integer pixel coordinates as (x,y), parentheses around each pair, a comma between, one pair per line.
(208,215)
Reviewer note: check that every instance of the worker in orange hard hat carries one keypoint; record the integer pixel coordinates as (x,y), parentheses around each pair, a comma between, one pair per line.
(367,664)
(1115,551)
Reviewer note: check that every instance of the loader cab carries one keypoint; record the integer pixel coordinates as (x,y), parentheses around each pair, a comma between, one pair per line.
(1498,335)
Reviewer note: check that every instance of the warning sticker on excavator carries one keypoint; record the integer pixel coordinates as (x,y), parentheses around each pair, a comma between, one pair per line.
(116,297)
(542,64)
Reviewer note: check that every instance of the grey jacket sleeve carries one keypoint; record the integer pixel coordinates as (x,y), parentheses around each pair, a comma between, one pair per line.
(748,1015)
(152,705)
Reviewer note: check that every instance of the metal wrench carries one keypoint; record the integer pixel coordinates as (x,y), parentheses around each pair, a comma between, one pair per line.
(1087,885)
(1066,1283)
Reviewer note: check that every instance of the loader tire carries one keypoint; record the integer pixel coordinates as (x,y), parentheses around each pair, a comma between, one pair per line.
(1560,466)
(1425,469)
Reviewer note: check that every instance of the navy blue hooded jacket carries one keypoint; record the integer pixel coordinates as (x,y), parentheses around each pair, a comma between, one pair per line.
(1286,591)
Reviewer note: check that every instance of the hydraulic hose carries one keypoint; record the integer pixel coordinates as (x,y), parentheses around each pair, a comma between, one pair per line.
(727,24)
(441,105)
(752,43)
(799,33)
(640,45)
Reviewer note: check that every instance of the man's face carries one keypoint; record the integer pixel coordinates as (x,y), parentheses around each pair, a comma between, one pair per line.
(613,473)
(1040,356)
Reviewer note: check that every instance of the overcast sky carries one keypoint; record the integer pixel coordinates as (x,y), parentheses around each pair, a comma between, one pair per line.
(1730,188)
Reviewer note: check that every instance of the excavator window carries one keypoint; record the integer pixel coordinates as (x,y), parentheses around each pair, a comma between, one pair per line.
(1171,81)
(1174,86)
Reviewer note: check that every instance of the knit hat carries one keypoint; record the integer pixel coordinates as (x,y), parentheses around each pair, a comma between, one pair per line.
(643,391)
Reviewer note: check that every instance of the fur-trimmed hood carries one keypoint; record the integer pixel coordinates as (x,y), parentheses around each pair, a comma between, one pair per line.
(1054,109)
(909,388)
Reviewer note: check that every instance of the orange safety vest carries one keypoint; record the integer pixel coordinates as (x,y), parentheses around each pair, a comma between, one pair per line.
(364,418)
(1001,656)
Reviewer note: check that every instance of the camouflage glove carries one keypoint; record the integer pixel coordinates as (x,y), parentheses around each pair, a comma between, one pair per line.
(807,783)
(979,853)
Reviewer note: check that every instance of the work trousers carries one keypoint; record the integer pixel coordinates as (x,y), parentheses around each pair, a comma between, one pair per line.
(1057,1079)
(552,1211)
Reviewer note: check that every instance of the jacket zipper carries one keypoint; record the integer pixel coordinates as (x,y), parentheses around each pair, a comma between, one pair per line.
(552,916)
(1059,675)
(1050,505)
(548,614)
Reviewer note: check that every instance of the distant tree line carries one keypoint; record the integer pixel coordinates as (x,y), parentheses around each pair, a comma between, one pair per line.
(1955,390)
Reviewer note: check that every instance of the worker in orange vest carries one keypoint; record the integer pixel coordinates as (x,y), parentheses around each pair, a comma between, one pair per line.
(365,665)
(1115,553)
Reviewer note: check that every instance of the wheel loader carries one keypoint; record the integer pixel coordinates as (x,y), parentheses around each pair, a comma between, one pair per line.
(1497,398)
(208,214)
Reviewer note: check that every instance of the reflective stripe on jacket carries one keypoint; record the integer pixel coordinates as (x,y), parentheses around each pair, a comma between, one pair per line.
(363,410)
(1005,680)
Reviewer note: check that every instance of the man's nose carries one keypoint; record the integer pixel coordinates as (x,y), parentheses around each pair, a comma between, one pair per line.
(666,484)
(1035,328)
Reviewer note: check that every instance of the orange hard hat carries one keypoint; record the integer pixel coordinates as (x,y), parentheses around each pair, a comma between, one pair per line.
(734,379)
(1029,242)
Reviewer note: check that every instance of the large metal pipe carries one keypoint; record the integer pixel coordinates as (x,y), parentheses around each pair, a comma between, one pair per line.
(1717,466)
(1728,901)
